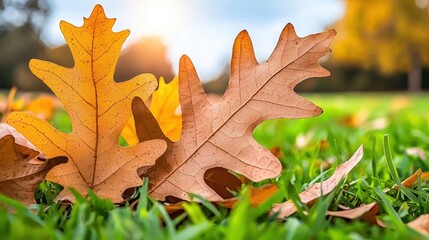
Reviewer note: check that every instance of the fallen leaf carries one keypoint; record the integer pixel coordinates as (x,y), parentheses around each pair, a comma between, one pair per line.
(219,179)
(258,195)
(220,135)
(317,190)
(356,120)
(98,108)
(10,104)
(165,107)
(42,107)
(420,224)
(416,151)
(411,180)
(129,132)
(214,98)
(366,212)
(20,140)
(19,178)
(222,181)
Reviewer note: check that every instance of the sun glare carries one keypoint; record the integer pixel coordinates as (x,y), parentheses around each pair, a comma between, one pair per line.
(158,17)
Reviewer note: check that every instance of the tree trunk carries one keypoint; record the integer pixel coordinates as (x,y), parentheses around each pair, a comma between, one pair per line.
(415,71)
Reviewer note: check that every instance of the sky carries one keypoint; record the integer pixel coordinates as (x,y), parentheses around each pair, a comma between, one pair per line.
(202,29)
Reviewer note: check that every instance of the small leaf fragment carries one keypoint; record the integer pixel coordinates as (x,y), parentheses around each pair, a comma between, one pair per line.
(317,190)
(19,178)
(165,108)
(365,212)
(420,224)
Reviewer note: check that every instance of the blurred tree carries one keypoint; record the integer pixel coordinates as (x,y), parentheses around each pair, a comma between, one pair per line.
(390,35)
(219,84)
(149,55)
(20,24)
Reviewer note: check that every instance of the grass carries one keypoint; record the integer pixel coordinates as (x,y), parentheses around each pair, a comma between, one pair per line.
(309,149)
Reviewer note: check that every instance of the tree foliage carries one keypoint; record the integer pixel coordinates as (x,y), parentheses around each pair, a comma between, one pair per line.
(386,34)
(20,24)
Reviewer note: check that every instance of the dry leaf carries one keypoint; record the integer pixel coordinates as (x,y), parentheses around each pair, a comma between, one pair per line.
(220,135)
(98,108)
(318,190)
(356,120)
(365,212)
(19,178)
(416,151)
(222,181)
(368,212)
(129,132)
(164,106)
(42,107)
(257,196)
(166,109)
(10,104)
(411,180)
(6,129)
(420,224)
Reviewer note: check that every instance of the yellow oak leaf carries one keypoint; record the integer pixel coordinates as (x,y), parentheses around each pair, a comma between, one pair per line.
(98,108)
(166,110)
(42,106)
(129,132)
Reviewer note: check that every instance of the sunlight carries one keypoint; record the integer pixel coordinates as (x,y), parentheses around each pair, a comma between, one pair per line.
(161,18)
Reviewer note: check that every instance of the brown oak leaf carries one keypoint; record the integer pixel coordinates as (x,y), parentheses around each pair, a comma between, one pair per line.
(257,195)
(420,224)
(98,107)
(220,135)
(19,178)
(368,212)
(22,142)
(284,210)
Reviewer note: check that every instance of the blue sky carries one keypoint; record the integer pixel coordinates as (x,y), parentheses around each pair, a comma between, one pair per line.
(203,29)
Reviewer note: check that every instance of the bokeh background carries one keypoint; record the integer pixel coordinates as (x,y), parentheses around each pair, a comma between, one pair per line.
(382,45)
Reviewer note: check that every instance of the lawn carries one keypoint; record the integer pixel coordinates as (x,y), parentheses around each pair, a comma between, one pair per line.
(309,149)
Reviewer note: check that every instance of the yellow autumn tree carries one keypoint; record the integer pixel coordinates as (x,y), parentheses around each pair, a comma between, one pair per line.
(390,35)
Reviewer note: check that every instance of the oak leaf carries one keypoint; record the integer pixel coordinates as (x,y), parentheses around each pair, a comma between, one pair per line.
(368,212)
(164,106)
(284,210)
(42,106)
(98,108)
(258,195)
(420,224)
(20,140)
(18,177)
(220,135)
